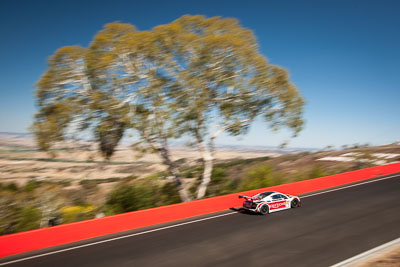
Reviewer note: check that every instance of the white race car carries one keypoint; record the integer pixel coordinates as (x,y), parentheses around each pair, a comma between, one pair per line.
(268,202)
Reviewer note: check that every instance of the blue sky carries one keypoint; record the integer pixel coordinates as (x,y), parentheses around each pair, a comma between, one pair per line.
(342,55)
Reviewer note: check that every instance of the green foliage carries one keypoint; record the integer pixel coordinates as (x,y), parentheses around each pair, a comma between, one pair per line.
(237,162)
(168,194)
(220,183)
(188,174)
(77,213)
(157,175)
(111,126)
(141,195)
(29,219)
(261,176)
(121,199)
(258,176)
(88,184)
(32,185)
(360,164)
(11,187)
(64,182)
(317,171)
(192,171)
(218,174)
(197,170)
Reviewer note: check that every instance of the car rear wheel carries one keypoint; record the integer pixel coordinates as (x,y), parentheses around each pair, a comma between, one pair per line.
(264,209)
(294,203)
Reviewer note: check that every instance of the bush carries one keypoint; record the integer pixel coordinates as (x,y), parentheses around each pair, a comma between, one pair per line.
(168,194)
(77,213)
(259,177)
(64,183)
(218,174)
(141,195)
(29,219)
(189,174)
(237,162)
(32,185)
(317,171)
(11,187)
(145,195)
(220,183)
(88,184)
(121,199)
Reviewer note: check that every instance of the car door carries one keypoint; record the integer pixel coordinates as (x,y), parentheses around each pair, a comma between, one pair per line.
(278,202)
(287,200)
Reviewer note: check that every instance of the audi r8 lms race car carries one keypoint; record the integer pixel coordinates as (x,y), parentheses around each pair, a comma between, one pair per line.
(268,202)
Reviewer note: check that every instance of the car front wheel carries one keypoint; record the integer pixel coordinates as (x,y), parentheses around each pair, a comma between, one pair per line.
(294,203)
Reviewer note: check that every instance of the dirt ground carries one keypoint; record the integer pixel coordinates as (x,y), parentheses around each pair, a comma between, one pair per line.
(390,258)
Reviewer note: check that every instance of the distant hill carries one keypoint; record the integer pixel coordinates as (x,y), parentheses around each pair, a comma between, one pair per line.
(15,135)
(27,139)
(16,139)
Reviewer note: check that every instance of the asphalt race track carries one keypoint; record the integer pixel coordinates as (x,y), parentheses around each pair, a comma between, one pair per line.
(329,228)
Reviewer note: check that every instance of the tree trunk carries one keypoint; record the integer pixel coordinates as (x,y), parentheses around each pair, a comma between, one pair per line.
(208,166)
(207,152)
(183,192)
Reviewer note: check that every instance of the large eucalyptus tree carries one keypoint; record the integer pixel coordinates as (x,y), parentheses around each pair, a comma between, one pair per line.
(196,76)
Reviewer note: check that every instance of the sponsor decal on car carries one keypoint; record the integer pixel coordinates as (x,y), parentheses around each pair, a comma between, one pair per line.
(277,205)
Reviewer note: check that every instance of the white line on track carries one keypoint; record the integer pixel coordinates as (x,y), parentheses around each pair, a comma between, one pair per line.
(172,226)
(115,238)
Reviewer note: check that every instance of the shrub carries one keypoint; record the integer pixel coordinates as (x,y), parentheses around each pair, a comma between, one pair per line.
(218,174)
(168,194)
(88,184)
(77,213)
(317,171)
(11,187)
(121,199)
(220,183)
(261,176)
(143,194)
(29,219)
(32,185)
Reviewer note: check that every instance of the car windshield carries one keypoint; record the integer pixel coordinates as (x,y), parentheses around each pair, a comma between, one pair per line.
(262,195)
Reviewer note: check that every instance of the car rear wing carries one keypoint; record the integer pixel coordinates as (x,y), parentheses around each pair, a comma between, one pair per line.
(245,197)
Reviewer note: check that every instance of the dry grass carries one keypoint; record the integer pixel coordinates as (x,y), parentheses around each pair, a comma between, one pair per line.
(390,258)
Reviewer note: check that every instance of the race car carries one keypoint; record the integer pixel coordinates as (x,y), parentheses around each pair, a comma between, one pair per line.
(268,202)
